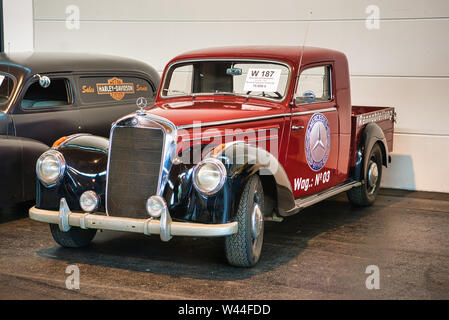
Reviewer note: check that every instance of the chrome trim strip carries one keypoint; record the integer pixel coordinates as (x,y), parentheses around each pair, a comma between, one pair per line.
(301,113)
(302,203)
(217,123)
(264,139)
(230,134)
(281,115)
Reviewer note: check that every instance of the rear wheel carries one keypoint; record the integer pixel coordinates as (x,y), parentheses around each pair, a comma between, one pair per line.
(366,194)
(74,238)
(243,248)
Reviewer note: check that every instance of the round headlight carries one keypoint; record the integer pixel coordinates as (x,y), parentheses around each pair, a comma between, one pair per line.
(155,205)
(50,167)
(89,201)
(209,176)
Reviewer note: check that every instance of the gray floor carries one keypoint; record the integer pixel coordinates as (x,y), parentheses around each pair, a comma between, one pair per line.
(321,253)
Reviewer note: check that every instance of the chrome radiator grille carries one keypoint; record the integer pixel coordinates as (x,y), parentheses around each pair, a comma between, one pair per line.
(133,171)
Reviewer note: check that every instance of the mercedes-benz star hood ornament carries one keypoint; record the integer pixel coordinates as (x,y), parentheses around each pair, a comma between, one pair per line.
(141,103)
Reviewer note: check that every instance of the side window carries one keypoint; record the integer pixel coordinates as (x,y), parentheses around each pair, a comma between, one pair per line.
(111,89)
(180,82)
(314,85)
(57,94)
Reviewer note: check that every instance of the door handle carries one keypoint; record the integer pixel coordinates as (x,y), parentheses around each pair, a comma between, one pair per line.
(297,127)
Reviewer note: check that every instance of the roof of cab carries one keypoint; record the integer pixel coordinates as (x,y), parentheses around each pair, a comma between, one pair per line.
(289,54)
(46,62)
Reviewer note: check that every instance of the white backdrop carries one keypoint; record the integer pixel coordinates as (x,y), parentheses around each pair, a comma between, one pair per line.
(402,61)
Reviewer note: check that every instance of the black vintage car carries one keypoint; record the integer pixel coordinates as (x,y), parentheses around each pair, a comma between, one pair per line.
(45,96)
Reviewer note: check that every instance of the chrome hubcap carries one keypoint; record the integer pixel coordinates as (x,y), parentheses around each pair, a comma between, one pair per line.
(373,175)
(256,221)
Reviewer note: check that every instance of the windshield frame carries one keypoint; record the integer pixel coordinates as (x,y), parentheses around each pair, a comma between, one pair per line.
(247,96)
(4,106)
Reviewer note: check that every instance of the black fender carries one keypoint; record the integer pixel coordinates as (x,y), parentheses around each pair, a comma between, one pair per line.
(18,169)
(86,159)
(370,135)
(248,160)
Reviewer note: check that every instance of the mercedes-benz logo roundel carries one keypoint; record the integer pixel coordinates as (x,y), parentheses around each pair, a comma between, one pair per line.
(141,103)
(318,141)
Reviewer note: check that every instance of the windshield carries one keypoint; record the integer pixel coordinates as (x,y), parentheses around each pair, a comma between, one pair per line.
(247,78)
(6,89)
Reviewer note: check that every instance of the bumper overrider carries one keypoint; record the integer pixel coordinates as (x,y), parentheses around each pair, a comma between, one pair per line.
(165,227)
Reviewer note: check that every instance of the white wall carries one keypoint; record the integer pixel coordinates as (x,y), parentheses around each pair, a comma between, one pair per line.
(403,63)
(18,25)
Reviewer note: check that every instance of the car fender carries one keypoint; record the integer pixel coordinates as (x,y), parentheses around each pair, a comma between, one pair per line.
(18,168)
(371,135)
(86,158)
(246,160)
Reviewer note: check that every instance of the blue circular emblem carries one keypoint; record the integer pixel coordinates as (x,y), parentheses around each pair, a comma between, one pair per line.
(318,141)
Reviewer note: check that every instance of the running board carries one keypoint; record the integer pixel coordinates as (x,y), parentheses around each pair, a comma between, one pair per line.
(305,202)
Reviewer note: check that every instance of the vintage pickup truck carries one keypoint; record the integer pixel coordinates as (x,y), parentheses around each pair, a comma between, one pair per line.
(237,136)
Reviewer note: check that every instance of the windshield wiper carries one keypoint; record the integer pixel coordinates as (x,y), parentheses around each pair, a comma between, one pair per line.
(224,93)
(230,94)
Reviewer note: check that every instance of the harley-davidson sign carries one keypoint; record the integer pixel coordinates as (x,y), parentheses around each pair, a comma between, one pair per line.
(115,88)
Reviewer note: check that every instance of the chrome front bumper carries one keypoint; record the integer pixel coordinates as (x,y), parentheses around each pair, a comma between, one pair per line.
(165,227)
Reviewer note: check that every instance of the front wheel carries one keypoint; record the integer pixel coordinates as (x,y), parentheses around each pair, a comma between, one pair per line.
(74,238)
(366,194)
(243,248)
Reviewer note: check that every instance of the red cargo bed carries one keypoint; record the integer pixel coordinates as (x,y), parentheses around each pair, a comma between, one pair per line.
(383,116)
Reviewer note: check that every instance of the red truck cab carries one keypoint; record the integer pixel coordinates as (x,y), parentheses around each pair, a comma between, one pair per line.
(237,136)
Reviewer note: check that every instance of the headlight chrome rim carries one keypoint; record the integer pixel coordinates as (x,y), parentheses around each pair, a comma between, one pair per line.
(222,170)
(61,162)
(161,201)
(93,195)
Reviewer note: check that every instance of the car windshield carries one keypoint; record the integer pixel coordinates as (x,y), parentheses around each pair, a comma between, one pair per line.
(243,78)
(6,90)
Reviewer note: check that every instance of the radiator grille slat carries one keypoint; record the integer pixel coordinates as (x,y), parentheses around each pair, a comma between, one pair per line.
(133,174)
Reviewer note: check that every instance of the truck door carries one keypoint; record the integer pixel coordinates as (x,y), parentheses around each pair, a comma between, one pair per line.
(312,157)
(46,114)
(106,98)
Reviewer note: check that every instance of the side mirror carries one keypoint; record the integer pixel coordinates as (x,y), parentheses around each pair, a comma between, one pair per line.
(308,96)
(44,81)
(234,71)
